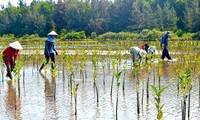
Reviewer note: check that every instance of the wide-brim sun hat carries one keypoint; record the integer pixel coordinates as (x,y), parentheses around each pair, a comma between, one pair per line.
(168,33)
(16,45)
(52,33)
(142,53)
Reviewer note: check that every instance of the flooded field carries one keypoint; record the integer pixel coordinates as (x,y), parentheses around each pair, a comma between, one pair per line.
(40,96)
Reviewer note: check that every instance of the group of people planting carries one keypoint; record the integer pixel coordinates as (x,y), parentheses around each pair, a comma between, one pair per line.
(11,52)
(140,54)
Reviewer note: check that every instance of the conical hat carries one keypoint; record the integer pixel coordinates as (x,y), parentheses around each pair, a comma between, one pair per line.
(16,45)
(53,33)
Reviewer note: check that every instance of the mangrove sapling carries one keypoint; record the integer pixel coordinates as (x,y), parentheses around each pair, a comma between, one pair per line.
(117,75)
(63,57)
(54,70)
(114,62)
(71,77)
(186,87)
(117,56)
(103,67)
(23,64)
(82,64)
(149,67)
(2,66)
(17,74)
(94,62)
(70,64)
(158,105)
(124,69)
(74,93)
(44,61)
(124,77)
(137,67)
(159,71)
(147,84)
(37,58)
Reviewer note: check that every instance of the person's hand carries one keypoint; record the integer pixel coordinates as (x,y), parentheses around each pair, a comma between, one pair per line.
(48,53)
(14,64)
(56,52)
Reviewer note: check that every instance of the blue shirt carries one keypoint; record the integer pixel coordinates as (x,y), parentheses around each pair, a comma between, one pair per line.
(49,44)
(164,40)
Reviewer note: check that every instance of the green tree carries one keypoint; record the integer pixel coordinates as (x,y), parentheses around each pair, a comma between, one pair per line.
(192,13)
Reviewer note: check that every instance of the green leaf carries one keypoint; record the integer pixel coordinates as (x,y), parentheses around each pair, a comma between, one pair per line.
(157,106)
(117,75)
(161,107)
(154,89)
(162,90)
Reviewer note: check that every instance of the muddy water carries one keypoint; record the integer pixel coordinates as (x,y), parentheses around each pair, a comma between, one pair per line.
(36,99)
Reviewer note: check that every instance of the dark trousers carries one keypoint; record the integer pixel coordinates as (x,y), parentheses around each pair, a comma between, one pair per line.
(9,68)
(52,56)
(135,58)
(165,53)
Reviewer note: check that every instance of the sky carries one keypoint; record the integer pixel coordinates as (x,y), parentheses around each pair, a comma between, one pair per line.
(15,2)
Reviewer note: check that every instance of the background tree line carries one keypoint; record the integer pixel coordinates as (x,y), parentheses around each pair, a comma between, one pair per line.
(100,16)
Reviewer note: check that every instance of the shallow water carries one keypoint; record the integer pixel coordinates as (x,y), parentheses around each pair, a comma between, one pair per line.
(36,99)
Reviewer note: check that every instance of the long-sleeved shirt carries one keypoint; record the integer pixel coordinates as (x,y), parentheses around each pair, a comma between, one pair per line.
(134,50)
(49,45)
(164,40)
(9,52)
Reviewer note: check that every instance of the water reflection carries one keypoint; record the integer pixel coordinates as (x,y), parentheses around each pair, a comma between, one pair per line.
(12,101)
(50,98)
(165,67)
(41,89)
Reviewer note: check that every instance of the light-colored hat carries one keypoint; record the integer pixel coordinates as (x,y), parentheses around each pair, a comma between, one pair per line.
(53,33)
(142,53)
(152,48)
(168,33)
(16,45)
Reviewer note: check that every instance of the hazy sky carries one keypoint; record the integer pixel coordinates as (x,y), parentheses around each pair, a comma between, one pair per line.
(15,2)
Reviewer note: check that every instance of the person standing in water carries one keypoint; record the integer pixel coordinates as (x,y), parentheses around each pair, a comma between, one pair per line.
(10,55)
(49,50)
(164,40)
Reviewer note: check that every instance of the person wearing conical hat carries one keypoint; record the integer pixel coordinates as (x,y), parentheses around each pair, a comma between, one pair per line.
(136,52)
(49,49)
(10,56)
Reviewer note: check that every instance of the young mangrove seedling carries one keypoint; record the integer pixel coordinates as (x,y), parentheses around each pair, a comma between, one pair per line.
(103,62)
(186,87)
(114,62)
(17,74)
(54,70)
(44,61)
(158,105)
(74,93)
(94,62)
(137,67)
(117,75)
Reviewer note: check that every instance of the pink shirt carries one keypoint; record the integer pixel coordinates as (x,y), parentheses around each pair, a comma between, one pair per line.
(9,52)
